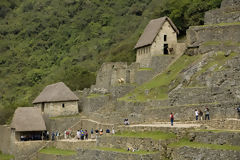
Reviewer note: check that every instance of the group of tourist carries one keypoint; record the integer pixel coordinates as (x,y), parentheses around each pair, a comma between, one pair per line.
(199,114)
(82,134)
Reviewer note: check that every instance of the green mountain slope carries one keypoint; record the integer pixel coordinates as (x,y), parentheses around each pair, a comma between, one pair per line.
(46,41)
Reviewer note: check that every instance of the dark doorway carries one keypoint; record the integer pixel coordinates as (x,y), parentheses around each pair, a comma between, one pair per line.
(42,107)
(165,49)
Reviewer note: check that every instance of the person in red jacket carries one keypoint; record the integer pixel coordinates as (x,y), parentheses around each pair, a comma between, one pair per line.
(171,118)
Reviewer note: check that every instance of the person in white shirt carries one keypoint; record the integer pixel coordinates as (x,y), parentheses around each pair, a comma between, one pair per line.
(196,114)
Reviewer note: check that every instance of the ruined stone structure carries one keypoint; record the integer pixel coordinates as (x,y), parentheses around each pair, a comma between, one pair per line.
(57,100)
(110,73)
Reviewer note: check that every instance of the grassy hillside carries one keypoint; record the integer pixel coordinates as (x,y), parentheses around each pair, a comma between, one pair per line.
(46,41)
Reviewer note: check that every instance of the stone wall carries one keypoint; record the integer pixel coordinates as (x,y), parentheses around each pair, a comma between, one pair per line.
(227,3)
(222,15)
(25,149)
(53,109)
(61,124)
(88,154)
(109,73)
(42,156)
(197,35)
(143,76)
(231,124)
(92,104)
(188,153)
(5,140)
(73,145)
(219,138)
(146,144)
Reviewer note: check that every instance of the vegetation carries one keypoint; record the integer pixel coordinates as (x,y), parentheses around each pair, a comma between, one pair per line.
(186,142)
(56,151)
(125,150)
(47,41)
(5,156)
(156,135)
(159,86)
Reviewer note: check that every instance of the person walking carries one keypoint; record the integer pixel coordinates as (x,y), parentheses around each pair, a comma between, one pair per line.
(113,131)
(92,134)
(171,118)
(78,134)
(86,135)
(196,114)
(53,136)
(207,114)
(200,115)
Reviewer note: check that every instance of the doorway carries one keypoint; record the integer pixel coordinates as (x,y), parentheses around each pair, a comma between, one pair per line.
(165,49)
(42,107)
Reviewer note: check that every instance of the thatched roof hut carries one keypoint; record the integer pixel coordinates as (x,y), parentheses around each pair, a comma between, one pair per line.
(28,119)
(151,31)
(57,92)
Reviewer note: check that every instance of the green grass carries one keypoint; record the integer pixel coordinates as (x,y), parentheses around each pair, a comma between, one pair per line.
(186,142)
(5,156)
(159,86)
(221,24)
(120,150)
(56,151)
(145,69)
(156,135)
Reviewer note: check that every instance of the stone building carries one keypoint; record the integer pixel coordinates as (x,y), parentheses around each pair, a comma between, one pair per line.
(57,100)
(158,38)
(28,122)
(111,72)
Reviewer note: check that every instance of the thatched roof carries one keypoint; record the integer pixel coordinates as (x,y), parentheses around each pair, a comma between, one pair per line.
(151,31)
(28,119)
(57,92)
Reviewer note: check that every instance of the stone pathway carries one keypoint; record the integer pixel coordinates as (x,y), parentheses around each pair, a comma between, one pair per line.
(76,140)
(167,124)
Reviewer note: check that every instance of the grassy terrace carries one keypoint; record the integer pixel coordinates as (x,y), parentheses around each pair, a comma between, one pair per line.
(5,156)
(145,69)
(220,24)
(156,135)
(159,86)
(120,150)
(186,142)
(56,151)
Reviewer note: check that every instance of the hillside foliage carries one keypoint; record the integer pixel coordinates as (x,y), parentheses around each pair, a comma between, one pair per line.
(47,41)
